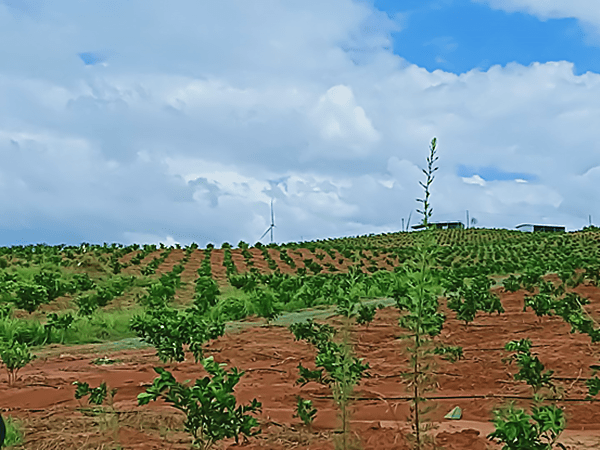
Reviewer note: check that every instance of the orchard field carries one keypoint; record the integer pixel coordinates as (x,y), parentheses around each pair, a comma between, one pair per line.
(323,335)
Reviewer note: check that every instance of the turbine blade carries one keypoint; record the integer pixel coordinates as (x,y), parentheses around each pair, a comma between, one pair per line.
(264,234)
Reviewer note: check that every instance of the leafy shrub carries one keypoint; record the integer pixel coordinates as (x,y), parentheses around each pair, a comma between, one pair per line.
(313,266)
(366,314)
(148,270)
(21,331)
(30,296)
(347,307)
(208,289)
(511,284)
(283,255)
(471,298)
(61,323)
(530,367)
(87,304)
(209,405)
(83,282)
(168,330)
(266,305)
(14,356)
(104,295)
(242,280)
(450,353)
(316,334)
(342,370)
(52,282)
(330,358)
(235,308)
(97,397)
(158,295)
(530,278)
(514,428)
(115,265)
(305,411)
(541,303)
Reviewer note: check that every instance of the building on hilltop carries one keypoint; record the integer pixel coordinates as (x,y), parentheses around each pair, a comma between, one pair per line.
(441,225)
(530,228)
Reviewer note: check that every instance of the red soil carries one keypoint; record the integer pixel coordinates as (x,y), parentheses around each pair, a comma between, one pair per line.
(239,261)
(44,395)
(281,265)
(259,261)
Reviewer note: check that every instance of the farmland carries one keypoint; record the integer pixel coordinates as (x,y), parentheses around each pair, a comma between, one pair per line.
(107,315)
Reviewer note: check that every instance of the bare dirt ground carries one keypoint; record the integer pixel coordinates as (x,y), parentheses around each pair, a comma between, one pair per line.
(43,397)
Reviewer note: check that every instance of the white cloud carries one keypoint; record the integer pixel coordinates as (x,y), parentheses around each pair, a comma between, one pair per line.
(341,121)
(195,117)
(475,179)
(387,183)
(547,9)
(511,194)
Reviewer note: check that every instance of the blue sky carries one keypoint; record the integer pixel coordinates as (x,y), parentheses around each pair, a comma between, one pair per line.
(150,121)
(458,36)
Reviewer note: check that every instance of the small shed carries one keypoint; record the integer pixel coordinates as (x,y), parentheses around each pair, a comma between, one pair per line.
(441,225)
(531,228)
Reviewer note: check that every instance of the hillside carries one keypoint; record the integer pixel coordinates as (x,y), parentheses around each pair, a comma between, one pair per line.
(76,309)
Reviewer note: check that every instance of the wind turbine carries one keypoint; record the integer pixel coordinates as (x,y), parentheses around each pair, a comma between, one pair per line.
(272,224)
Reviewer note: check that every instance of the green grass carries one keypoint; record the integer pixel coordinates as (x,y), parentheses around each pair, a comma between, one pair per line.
(102,326)
(14,435)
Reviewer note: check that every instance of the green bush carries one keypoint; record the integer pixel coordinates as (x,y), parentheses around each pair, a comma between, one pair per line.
(60,323)
(209,404)
(30,296)
(14,356)
(168,330)
(87,304)
(82,282)
(234,309)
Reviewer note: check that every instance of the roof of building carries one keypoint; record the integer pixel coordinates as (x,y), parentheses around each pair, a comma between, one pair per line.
(538,225)
(438,223)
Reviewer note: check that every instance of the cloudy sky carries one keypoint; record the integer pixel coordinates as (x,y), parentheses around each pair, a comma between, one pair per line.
(148,121)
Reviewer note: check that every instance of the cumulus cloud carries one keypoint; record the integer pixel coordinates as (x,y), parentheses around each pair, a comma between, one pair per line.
(146,121)
(475,179)
(344,124)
